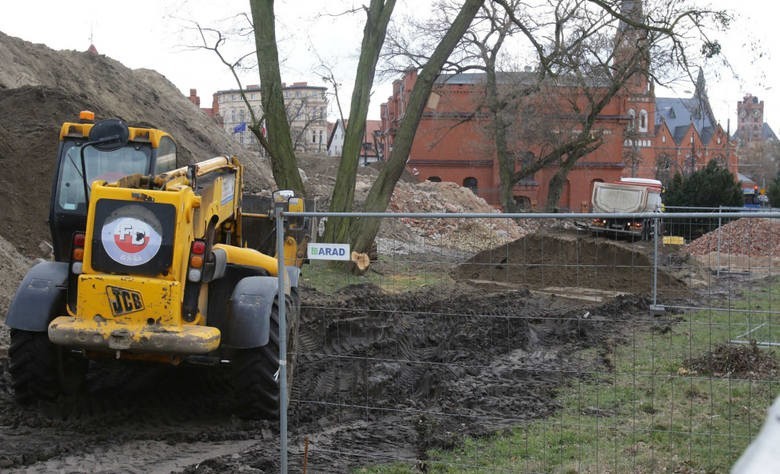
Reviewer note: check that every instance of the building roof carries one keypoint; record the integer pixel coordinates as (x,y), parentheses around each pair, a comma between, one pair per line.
(249,88)
(745,180)
(302,85)
(767,134)
(680,113)
(472,78)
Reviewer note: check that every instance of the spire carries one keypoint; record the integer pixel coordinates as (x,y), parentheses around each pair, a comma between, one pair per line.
(632,53)
(703,109)
(631,9)
(701,85)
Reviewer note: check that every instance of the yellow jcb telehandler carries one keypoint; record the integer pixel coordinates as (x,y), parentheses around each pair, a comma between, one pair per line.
(150,264)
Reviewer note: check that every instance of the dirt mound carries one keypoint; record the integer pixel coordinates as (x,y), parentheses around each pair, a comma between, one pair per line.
(742,361)
(553,260)
(753,237)
(40,88)
(13,267)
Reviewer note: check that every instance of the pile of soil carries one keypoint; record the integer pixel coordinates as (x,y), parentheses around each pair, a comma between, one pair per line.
(41,88)
(752,237)
(568,259)
(738,361)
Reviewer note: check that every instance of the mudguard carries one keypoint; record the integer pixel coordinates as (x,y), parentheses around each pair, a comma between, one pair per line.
(40,298)
(248,323)
(295,274)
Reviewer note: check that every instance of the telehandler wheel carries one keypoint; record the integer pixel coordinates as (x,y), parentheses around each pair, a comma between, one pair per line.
(255,374)
(293,331)
(41,370)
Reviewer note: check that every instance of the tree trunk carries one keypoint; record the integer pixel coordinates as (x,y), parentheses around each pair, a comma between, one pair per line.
(364,230)
(555,190)
(555,187)
(283,162)
(506,162)
(342,199)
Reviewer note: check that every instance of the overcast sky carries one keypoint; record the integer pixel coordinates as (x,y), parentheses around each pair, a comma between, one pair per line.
(160,35)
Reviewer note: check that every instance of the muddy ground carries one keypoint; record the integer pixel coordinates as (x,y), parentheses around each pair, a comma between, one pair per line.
(376,376)
(380,377)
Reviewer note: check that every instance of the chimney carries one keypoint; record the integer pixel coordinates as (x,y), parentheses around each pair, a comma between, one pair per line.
(194,97)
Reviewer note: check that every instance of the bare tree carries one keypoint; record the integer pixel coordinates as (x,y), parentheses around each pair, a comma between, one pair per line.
(364,230)
(342,200)
(284,164)
(587,52)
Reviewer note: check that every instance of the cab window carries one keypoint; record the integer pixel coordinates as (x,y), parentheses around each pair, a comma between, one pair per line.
(166,156)
(100,165)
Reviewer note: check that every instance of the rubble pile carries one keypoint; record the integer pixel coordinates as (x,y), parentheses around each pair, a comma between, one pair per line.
(467,234)
(752,237)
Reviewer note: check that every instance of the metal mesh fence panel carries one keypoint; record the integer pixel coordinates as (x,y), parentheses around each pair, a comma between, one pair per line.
(539,347)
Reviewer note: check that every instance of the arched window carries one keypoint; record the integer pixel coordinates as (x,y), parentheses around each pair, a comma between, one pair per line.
(470,183)
(643,120)
(522,202)
(632,115)
(434,179)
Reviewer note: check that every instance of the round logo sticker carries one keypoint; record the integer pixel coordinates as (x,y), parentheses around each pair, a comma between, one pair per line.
(130,241)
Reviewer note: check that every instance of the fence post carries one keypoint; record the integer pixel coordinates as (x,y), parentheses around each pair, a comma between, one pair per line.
(655,308)
(717,254)
(282,340)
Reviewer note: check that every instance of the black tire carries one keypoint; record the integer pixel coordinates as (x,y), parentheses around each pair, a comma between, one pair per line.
(293,332)
(255,374)
(255,371)
(41,370)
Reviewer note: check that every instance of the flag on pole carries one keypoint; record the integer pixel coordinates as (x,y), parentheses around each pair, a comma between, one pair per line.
(241,127)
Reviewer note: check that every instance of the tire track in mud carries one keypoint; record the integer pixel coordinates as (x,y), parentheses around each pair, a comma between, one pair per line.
(139,456)
(395,375)
(380,377)
(133,418)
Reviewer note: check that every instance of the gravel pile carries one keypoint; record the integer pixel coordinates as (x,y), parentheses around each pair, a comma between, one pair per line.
(753,237)
(469,235)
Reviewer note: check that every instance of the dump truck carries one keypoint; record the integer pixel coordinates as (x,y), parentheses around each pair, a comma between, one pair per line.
(629,195)
(150,264)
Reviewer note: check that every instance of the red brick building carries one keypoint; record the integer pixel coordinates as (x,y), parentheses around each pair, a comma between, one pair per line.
(453,140)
